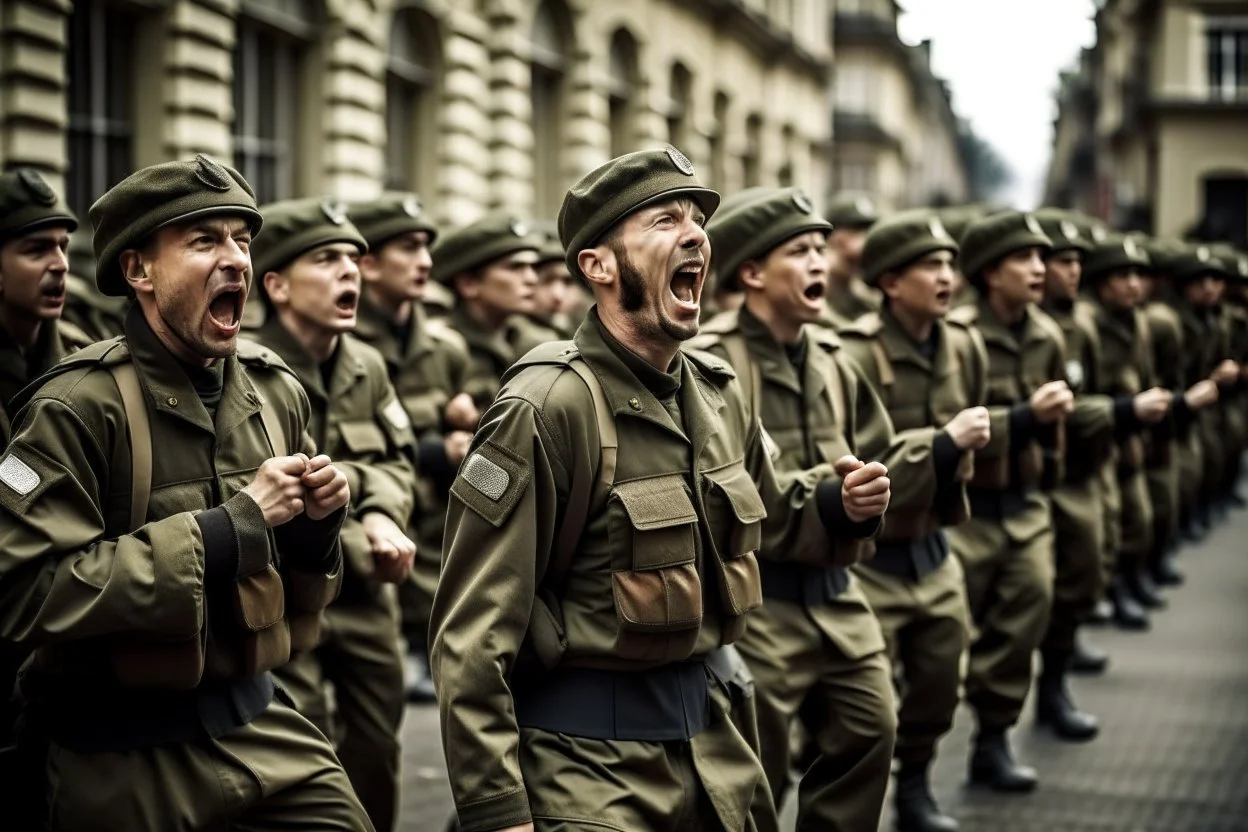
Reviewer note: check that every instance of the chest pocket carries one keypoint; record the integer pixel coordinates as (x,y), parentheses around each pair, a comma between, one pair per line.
(735,514)
(362,438)
(655,584)
(425,409)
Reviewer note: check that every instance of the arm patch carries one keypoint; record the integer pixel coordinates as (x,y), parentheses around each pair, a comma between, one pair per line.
(491,482)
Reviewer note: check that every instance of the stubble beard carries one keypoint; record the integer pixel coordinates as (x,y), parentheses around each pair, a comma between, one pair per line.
(633,299)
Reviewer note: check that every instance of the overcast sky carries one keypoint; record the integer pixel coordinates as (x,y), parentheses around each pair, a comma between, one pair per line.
(1002,59)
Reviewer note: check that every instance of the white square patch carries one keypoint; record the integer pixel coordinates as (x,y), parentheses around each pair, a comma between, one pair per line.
(18,475)
(486,476)
(396,415)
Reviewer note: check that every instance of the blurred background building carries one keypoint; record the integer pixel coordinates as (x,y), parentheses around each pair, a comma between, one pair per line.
(1152,126)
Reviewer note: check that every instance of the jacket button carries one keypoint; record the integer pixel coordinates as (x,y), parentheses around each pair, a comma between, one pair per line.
(173,401)
(634,403)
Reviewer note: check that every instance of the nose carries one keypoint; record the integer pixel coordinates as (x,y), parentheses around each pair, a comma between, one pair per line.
(1037,263)
(235,256)
(528,276)
(694,235)
(944,274)
(424,259)
(60,264)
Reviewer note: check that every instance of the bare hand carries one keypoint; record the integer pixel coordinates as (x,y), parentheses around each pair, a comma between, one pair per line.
(278,488)
(457,445)
(393,551)
(971,429)
(1151,406)
(1201,394)
(1226,373)
(524,827)
(865,488)
(325,487)
(1051,402)
(461,413)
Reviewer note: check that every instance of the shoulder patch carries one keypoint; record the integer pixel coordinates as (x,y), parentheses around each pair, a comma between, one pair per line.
(491,482)
(18,476)
(396,415)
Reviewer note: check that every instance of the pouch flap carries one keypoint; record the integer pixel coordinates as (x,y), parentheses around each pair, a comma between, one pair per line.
(656,503)
(261,599)
(362,437)
(742,494)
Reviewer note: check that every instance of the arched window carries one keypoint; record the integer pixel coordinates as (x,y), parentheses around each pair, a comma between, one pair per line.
(679,103)
(100,67)
(274,40)
(550,48)
(412,101)
(718,142)
(622,91)
(751,159)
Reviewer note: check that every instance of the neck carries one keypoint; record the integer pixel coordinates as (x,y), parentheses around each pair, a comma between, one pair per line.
(917,326)
(1009,313)
(22,328)
(783,330)
(657,353)
(318,341)
(399,310)
(170,339)
(488,317)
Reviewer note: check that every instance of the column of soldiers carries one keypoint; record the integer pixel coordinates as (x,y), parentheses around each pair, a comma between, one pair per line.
(678,509)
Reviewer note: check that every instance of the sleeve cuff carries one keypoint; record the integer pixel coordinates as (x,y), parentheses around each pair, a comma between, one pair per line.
(1022,424)
(311,545)
(1125,421)
(220,546)
(498,812)
(945,457)
(836,522)
(1181,413)
(431,458)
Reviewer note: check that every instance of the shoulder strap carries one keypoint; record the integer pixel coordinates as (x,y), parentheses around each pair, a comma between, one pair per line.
(885,367)
(272,427)
(739,358)
(140,441)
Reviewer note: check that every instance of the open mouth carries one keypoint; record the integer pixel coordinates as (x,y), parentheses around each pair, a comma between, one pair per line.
(944,295)
(815,291)
(684,283)
(348,301)
(53,291)
(226,308)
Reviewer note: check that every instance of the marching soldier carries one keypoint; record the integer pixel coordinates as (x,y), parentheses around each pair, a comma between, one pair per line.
(931,376)
(159,589)
(1006,549)
(601,538)
(311,286)
(1235,419)
(814,644)
(428,366)
(490,267)
(851,217)
(552,299)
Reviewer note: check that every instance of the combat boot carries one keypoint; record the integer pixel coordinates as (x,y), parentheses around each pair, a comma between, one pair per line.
(916,808)
(1088,660)
(1128,613)
(1055,709)
(1102,613)
(1142,588)
(993,765)
(1164,570)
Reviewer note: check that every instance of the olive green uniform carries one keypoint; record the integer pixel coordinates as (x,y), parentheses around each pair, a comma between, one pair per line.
(815,642)
(356,419)
(1201,355)
(916,590)
(1162,442)
(149,686)
(94,314)
(490,355)
(1006,549)
(524,333)
(853,301)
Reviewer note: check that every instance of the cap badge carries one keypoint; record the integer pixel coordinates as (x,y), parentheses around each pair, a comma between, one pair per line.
(520,228)
(1069,230)
(864,205)
(39,190)
(210,172)
(1099,233)
(1130,249)
(1203,254)
(803,202)
(1243,266)
(1032,224)
(334,211)
(680,160)
(937,228)
(411,205)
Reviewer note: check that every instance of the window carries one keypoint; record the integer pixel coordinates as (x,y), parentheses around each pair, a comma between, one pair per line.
(99,63)
(678,115)
(621,91)
(273,39)
(1226,51)
(855,88)
(853,175)
(718,142)
(411,102)
(549,52)
(751,158)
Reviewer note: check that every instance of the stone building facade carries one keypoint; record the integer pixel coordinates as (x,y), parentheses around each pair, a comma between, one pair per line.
(474,104)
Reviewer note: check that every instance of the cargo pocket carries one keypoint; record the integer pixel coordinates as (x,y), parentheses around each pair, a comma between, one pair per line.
(736,512)
(260,610)
(658,596)
(362,437)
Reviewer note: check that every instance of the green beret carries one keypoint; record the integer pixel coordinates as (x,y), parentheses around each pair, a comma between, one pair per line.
(389,215)
(752,223)
(551,250)
(895,242)
(1091,228)
(958,218)
(1198,261)
(610,192)
(1163,253)
(991,238)
(151,198)
(1060,227)
(1236,261)
(296,226)
(481,243)
(1115,253)
(28,203)
(855,211)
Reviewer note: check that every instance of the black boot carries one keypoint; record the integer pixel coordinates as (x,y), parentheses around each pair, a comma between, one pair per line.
(1102,613)
(1088,660)
(1128,613)
(417,679)
(1140,584)
(916,808)
(1164,570)
(993,765)
(1054,707)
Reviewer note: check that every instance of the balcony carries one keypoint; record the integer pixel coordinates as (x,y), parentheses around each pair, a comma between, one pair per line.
(862,127)
(866,29)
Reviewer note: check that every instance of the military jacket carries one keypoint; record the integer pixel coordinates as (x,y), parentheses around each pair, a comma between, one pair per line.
(95,314)
(1126,370)
(490,355)
(1090,426)
(854,301)
(525,333)
(106,606)
(664,568)
(921,395)
(55,341)
(360,423)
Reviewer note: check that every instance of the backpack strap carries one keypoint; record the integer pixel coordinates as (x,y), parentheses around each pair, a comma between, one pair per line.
(739,358)
(140,428)
(273,429)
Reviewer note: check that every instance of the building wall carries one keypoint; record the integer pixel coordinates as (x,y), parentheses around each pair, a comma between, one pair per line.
(1192,147)
(480,135)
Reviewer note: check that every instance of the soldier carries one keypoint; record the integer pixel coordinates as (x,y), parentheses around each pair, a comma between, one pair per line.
(931,376)
(311,286)
(490,267)
(554,297)
(814,644)
(1006,549)
(428,366)
(1235,419)
(852,217)
(158,590)
(86,307)
(600,544)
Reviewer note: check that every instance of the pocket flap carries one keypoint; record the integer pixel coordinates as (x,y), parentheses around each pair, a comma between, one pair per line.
(261,600)
(656,503)
(742,494)
(362,437)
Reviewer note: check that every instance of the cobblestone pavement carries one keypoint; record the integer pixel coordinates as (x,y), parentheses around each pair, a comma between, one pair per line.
(1173,750)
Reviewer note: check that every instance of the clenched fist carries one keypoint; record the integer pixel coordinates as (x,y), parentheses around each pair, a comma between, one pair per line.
(971,429)
(457,445)
(1201,394)
(278,488)
(461,413)
(393,551)
(326,488)
(1226,373)
(865,488)
(1151,406)
(1051,402)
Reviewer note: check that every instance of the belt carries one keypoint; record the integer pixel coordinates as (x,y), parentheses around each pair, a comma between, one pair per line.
(802,584)
(127,720)
(671,702)
(913,559)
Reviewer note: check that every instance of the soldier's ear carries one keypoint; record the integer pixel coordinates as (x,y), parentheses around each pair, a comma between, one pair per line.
(750,275)
(276,287)
(598,265)
(134,270)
